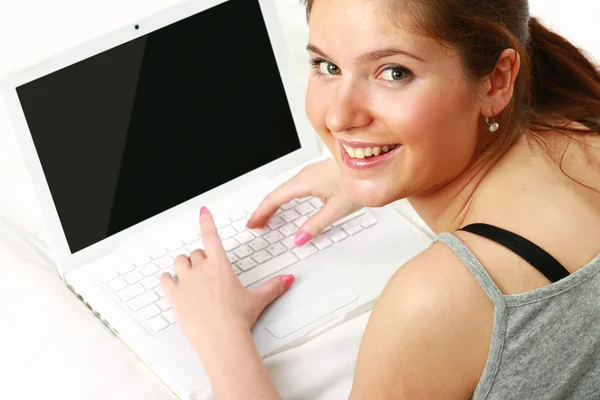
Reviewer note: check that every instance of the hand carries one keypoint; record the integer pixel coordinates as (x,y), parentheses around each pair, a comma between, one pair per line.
(321,180)
(209,301)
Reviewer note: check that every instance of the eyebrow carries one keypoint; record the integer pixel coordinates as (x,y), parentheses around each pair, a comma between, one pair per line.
(370,56)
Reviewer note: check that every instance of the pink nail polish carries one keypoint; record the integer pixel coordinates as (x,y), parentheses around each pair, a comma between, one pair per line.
(301,238)
(203,210)
(288,280)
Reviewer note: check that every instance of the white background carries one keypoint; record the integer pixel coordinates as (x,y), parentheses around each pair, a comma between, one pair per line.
(51,346)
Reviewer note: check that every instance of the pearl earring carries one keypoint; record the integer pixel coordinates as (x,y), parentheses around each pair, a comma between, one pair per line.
(492,125)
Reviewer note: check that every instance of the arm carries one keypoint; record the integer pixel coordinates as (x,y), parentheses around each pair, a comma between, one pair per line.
(235,368)
(429,334)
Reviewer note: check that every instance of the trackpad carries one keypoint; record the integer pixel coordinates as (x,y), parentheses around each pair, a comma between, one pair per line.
(315,294)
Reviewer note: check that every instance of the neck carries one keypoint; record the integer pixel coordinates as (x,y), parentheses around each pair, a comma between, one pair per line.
(447,207)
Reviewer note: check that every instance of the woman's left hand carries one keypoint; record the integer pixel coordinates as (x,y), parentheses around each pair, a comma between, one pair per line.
(209,301)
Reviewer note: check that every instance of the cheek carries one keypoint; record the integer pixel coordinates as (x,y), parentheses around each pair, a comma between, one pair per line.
(435,122)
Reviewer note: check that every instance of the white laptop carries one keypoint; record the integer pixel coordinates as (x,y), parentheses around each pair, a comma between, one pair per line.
(126,136)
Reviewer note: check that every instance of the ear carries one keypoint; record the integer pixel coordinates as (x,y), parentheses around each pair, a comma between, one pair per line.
(500,85)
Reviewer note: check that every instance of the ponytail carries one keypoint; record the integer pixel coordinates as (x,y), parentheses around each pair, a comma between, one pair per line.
(565,85)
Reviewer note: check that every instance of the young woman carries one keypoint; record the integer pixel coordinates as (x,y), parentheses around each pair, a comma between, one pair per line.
(488,123)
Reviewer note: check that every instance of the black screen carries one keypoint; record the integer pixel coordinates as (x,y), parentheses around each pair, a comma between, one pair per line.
(143,127)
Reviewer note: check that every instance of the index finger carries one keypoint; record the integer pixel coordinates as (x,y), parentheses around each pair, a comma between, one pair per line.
(210,236)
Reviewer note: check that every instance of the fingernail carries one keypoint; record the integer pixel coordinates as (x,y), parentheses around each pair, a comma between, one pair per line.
(203,210)
(288,280)
(301,238)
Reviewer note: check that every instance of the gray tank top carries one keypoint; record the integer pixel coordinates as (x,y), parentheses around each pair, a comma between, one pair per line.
(545,342)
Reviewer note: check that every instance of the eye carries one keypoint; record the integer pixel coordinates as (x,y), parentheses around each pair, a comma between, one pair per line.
(395,74)
(327,68)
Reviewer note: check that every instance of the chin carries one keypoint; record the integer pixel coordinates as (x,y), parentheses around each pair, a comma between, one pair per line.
(370,193)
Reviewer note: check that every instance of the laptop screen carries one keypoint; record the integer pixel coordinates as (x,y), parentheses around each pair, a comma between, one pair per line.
(138,129)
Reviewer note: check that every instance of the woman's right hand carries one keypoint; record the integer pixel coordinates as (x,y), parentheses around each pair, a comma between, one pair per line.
(321,180)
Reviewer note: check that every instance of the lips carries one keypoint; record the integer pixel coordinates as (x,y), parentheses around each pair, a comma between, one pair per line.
(362,156)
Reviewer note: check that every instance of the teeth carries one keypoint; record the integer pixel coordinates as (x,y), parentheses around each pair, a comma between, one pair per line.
(349,150)
(365,152)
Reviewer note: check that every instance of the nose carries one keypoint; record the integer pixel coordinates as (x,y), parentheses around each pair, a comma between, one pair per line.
(347,110)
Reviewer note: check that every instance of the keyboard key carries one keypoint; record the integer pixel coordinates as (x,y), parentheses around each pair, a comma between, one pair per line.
(157,323)
(165,261)
(125,268)
(142,300)
(159,291)
(276,249)
(300,221)
(349,217)
(274,236)
(244,237)
(337,235)
(232,257)
(164,304)
(174,245)
(261,256)
(276,223)
(150,283)
(289,205)
(289,216)
(368,222)
(236,269)
(109,276)
(352,227)
(303,199)
(246,264)
(243,251)
(191,238)
(259,244)
(148,312)
(289,242)
(130,292)
(179,252)
(240,225)
(117,284)
(198,244)
(236,215)
(289,229)
(133,277)
(158,252)
(316,202)
(149,269)
(268,268)
(221,221)
(304,209)
(227,232)
(141,260)
(305,251)
(169,316)
(261,231)
(230,244)
(322,242)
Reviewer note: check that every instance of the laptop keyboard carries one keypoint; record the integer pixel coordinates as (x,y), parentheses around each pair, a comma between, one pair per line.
(254,255)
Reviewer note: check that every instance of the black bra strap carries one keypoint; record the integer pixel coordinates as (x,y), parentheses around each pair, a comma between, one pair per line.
(530,252)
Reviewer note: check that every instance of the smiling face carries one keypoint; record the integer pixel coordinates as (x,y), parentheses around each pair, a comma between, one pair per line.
(376,87)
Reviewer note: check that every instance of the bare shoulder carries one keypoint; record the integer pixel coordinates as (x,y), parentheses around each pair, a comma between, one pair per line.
(429,334)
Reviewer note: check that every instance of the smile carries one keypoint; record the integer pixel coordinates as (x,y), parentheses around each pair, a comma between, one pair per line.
(366,152)
(364,156)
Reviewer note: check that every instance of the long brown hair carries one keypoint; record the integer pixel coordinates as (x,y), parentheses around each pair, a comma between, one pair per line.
(557,84)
